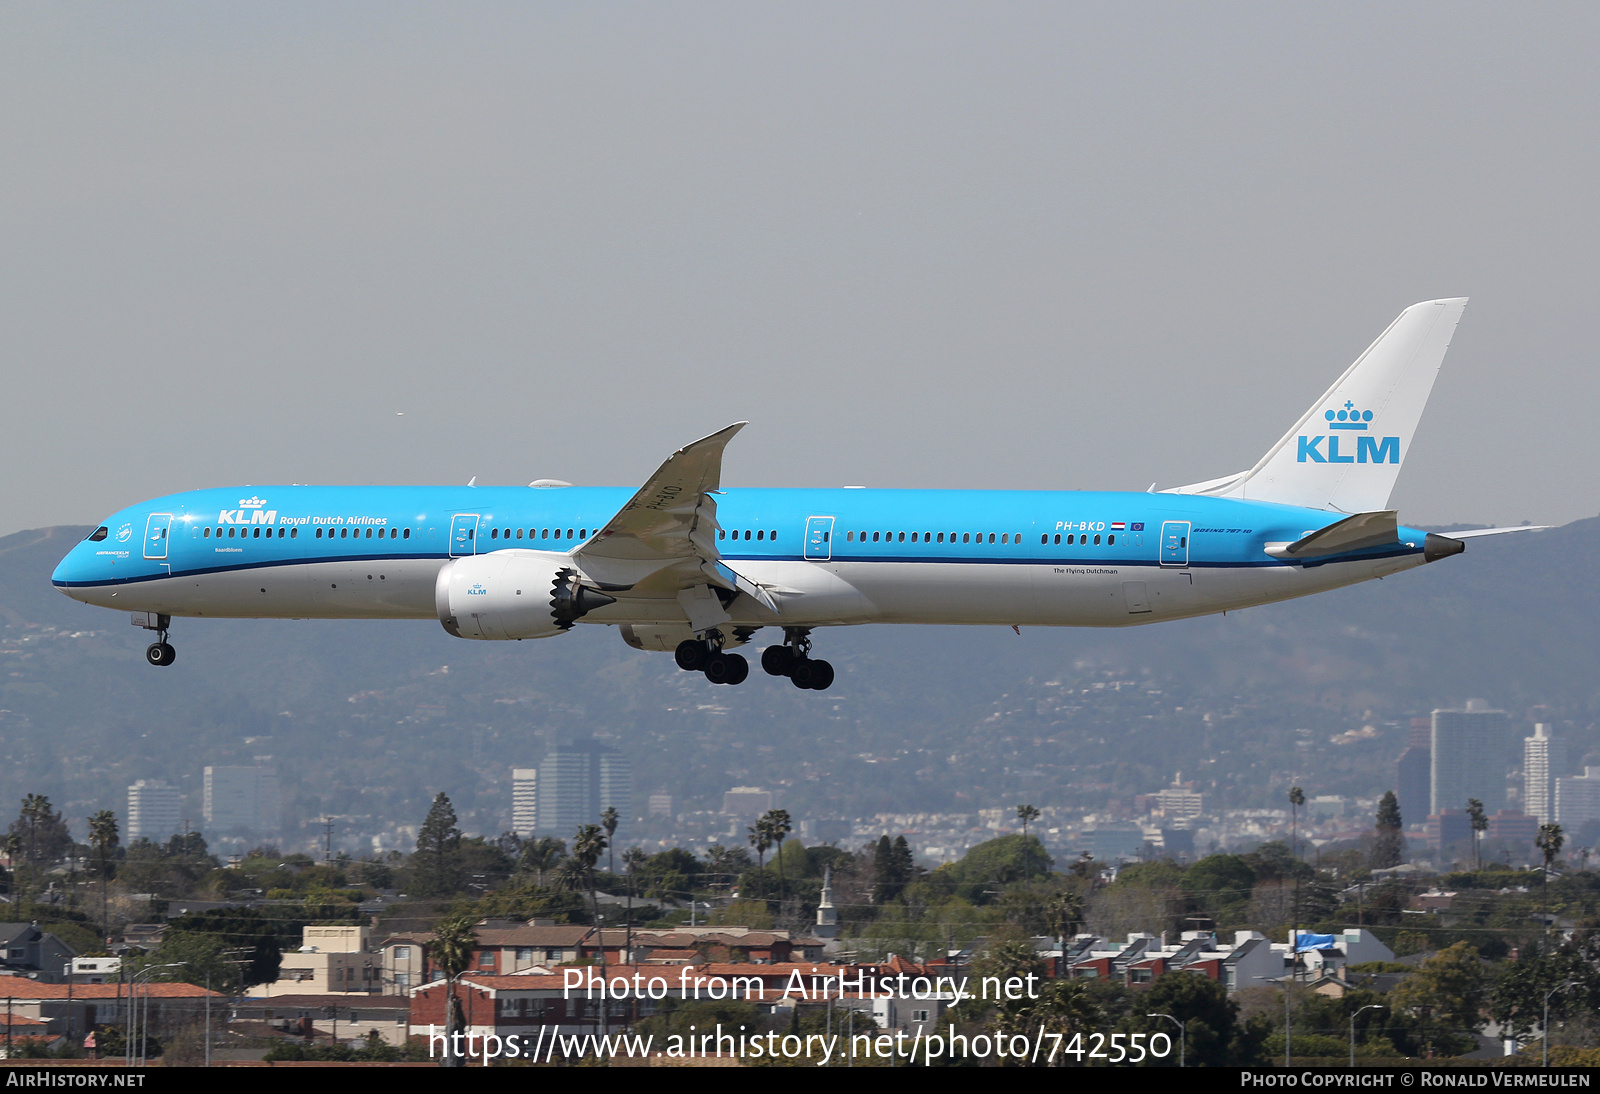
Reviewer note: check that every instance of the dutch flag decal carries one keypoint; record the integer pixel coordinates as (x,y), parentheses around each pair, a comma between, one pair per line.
(1117,526)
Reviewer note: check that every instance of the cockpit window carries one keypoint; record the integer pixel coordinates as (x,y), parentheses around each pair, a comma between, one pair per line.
(98,534)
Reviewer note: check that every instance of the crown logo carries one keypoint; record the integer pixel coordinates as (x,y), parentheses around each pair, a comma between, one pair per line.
(257,503)
(1348,417)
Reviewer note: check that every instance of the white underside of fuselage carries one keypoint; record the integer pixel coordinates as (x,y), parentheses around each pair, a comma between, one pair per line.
(807,594)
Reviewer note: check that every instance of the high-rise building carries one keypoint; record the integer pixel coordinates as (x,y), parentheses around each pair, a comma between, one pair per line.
(1468,758)
(242,801)
(524,801)
(154,809)
(746,803)
(578,782)
(1578,799)
(1544,758)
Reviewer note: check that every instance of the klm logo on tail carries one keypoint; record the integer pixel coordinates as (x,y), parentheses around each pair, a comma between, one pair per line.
(1348,419)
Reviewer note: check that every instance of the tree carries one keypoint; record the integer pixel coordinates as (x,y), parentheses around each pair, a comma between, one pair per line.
(892,868)
(454,941)
(609,821)
(437,863)
(587,847)
(761,840)
(541,855)
(41,832)
(103,838)
(1026,813)
(1215,1037)
(1480,824)
(1548,841)
(1446,993)
(1389,840)
(777,825)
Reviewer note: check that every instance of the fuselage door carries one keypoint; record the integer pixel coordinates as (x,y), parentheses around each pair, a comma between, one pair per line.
(819,536)
(155,535)
(464,535)
(1175,543)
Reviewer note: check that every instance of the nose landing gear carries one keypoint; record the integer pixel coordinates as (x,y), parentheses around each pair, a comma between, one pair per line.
(159,652)
(794,660)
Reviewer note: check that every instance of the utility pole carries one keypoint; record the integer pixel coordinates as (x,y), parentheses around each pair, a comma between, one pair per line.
(327,839)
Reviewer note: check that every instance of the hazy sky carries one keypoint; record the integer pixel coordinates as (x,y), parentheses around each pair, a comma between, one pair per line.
(1042,246)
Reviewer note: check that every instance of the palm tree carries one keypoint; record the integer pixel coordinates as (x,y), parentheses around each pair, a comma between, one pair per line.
(453,942)
(1026,813)
(587,848)
(103,837)
(609,821)
(761,840)
(778,826)
(1480,824)
(1548,841)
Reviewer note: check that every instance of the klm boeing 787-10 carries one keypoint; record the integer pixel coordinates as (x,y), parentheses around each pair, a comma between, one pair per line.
(682,565)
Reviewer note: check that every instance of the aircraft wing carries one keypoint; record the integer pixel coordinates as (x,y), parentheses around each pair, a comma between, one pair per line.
(671,524)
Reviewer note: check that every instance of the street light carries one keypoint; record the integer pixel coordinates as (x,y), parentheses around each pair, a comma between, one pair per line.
(1546,1026)
(131,1022)
(1369,1006)
(1183,1036)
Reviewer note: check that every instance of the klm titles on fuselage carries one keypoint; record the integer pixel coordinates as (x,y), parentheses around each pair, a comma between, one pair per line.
(1368,449)
(252,511)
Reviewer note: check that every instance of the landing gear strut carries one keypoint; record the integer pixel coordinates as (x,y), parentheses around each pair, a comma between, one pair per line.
(705,655)
(159,652)
(793,659)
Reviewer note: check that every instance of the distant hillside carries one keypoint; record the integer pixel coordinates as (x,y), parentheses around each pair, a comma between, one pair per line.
(372,719)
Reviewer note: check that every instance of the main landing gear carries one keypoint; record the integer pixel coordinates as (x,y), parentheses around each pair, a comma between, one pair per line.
(159,652)
(794,660)
(705,655)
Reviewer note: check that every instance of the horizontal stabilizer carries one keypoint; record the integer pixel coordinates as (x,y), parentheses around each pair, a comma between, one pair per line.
(1356,533)
(1476,532)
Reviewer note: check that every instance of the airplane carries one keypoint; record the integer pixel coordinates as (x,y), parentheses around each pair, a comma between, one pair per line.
(683,565)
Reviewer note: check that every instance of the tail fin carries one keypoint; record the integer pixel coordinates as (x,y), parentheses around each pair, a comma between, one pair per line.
(1346,452)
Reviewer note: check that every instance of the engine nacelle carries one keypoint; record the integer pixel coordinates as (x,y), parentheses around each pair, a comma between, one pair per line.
(513,594)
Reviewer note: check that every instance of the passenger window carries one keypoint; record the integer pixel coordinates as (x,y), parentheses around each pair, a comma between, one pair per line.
(204,534)
(941,537)
(1110,540)
(1097,541)
(772,535)
(849,537)
(902,537)
(569,533)
(875,537)
(760,535)
(294,533)
(991,537)
(722,534)
(494,533)
(1005,538)
(966,537)
(408,534)
(583,533)
(319,533)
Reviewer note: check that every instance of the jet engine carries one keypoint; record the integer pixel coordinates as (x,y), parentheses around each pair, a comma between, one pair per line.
(513,594)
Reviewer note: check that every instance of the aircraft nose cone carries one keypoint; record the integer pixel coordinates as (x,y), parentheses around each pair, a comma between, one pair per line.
(1436,547)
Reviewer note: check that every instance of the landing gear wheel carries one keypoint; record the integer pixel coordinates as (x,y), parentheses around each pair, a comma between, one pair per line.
(821,676)
(777,660)
(691,655)
(160,653)
(801,670)
(726,668)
